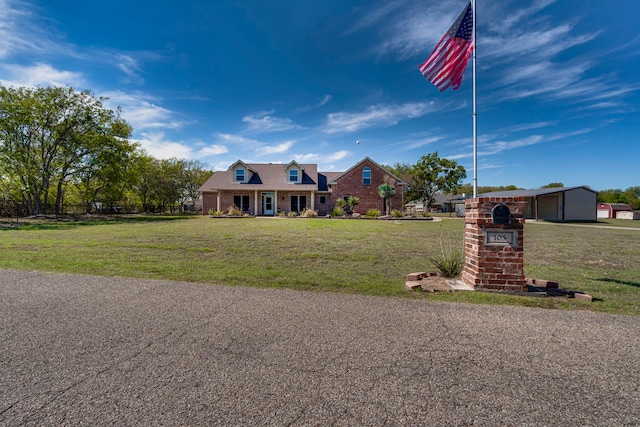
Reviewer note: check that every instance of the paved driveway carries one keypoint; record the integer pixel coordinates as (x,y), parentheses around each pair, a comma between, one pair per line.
(117,351)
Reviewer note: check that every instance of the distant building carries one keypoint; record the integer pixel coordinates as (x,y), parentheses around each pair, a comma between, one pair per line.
(611,210)
(442,203)
(559,204)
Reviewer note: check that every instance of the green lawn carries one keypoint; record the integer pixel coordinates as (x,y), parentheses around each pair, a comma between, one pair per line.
(352,256)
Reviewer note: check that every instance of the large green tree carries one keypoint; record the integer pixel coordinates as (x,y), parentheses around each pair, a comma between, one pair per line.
(433,174)
(631,196)
(50,135)
(167,183)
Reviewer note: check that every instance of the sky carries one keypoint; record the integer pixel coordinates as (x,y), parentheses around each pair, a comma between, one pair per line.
(335,81)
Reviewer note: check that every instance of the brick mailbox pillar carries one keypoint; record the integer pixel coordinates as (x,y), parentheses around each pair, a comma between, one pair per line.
(493,243)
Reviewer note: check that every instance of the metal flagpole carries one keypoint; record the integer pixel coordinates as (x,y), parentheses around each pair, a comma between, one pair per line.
(475,109)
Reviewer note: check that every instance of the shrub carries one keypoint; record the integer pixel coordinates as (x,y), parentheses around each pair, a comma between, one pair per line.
(397,213)
(372,213)
(337,211)
(282,213)
(309,213)
(449,261)
(234,211)
(448,264)
(292,214)
(347,205)
(214,212)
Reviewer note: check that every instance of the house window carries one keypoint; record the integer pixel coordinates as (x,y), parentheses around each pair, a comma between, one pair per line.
(242,202)
(298,203)
(293,175)
(366,176)
(323,200)
(240,175)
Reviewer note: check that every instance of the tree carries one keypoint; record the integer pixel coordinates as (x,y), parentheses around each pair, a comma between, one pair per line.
(49,135)
(553,185)
(630,196)
(386,191)
(195,174)
(432,174)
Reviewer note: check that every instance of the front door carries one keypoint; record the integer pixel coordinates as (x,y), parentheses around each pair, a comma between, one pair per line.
(267,204)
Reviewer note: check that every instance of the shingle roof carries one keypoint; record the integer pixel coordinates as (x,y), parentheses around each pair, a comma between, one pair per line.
(339,175)
(267,176)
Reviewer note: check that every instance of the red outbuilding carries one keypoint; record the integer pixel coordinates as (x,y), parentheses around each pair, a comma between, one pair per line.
(610,210)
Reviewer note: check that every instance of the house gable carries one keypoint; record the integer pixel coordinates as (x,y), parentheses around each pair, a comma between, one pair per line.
(294,173)
(362,181)
(241,172)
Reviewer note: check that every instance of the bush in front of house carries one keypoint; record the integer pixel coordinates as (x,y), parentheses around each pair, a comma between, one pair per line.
(372,213)
(397,213)
(309,213)
(292,214)
(234,211)
(348,205)
(337,211)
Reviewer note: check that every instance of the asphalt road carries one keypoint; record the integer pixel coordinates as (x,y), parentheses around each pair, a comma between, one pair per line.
(117,351)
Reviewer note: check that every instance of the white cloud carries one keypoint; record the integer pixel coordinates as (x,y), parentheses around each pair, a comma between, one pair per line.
(264,122)
(407,28)
(142,112)
(377,116)
(322,158)
(39,75)
(236,139)
(130,67)
(20,30)
(275,149)
(421,142)
(157,146)
(212,150)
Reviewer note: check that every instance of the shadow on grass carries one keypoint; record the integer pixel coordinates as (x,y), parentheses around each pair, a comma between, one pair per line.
(620,282)
(68,223)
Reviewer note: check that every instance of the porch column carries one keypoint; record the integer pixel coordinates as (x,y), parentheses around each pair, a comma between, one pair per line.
(313,200)
(275,202)
(218,201)
(255,202)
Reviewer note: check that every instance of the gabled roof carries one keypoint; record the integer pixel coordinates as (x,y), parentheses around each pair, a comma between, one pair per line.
(618,206)
(271,176)
(535,192)
(240,162)
(293,162)
(333,181)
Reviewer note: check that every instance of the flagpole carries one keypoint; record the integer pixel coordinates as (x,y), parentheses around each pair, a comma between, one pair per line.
(475,110)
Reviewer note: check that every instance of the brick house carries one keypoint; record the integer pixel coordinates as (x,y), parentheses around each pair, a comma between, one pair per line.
(362,181)
(267,189)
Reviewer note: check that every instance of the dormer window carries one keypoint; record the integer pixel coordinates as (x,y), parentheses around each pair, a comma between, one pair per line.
(366,176)
(293,175)
(240,175)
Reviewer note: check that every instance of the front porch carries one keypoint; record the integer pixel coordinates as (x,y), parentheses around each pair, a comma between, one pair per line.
(269,203)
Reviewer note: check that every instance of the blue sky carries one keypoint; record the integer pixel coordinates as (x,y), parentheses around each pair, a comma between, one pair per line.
(281,80)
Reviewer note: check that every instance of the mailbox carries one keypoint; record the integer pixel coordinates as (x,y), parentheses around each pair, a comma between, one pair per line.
(500,214)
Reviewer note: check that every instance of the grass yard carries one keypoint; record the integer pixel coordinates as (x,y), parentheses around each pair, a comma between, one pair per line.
(351,256)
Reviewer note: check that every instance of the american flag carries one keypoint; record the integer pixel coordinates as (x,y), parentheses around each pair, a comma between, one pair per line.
(448,61)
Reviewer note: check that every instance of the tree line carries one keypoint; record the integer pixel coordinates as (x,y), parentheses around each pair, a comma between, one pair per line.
(60,147)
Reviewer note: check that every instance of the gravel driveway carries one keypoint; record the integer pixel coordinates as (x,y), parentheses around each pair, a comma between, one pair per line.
(120,351)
